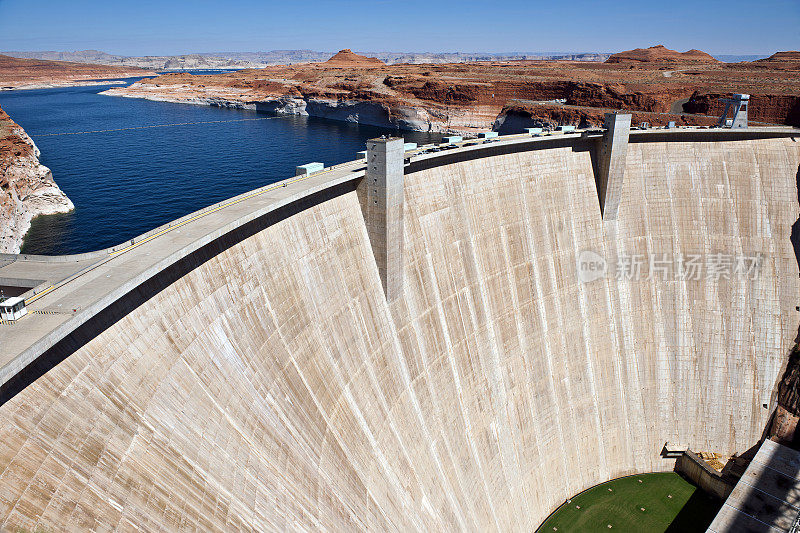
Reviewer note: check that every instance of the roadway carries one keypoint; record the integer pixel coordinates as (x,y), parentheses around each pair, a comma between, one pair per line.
(74,288)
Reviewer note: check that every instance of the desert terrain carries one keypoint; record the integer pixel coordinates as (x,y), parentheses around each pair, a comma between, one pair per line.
(656,84)
(240,60)
(18,73)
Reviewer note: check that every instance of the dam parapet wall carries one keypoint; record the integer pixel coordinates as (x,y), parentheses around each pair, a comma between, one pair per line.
(246,369)
(29,339)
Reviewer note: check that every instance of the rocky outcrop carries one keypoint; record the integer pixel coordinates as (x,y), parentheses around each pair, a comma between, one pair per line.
(27,188)
(660,53)
(788,55)
(359,112)
(771,108)
(376,113)
(616,97)
(515,118)
(466,98)
(438,91)
(346,58)
(789,60)
(783,428)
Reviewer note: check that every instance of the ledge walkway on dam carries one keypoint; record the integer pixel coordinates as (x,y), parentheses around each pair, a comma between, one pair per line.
(78,298)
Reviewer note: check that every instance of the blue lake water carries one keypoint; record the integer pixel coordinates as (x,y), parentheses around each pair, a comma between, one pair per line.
(124,183)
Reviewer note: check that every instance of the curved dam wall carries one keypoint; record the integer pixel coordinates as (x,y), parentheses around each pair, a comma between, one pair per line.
(271,387)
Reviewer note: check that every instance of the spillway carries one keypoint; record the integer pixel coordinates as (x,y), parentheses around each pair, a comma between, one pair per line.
(263,382)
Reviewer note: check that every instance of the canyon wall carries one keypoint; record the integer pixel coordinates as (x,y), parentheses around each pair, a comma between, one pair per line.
(272,388)
(27,188)
(773,108)
(514,118)
(652,83)
(372,113)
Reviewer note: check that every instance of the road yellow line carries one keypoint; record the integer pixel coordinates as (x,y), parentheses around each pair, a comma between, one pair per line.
(278,185)
(39,295)
(222,206)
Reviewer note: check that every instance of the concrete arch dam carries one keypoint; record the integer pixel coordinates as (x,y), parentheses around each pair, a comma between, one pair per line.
(244,369)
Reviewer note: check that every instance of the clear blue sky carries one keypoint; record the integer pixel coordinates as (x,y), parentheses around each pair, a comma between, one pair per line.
(172,27)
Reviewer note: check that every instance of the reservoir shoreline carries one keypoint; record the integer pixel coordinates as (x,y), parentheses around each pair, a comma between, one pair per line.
(130,165)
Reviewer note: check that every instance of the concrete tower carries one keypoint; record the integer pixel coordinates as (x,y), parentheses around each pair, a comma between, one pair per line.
(613,151)
(738,104)
(381,197)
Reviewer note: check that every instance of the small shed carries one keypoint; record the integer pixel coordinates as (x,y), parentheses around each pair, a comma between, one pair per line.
(12,308)
(309,168)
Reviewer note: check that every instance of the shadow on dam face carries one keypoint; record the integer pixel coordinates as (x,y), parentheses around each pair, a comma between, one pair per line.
(263,382)
(795,235)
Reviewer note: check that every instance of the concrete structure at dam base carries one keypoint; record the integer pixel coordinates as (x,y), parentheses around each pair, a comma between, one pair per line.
(767,496)
(253,366)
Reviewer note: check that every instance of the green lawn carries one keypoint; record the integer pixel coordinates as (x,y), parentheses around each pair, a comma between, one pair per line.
(687,510)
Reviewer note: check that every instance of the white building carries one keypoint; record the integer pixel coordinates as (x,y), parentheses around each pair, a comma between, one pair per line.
(12,309)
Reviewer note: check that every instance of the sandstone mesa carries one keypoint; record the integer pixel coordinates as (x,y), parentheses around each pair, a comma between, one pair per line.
(656,84)
(660,53)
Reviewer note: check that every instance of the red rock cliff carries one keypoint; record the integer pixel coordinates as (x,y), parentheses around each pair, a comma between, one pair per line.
(27,188)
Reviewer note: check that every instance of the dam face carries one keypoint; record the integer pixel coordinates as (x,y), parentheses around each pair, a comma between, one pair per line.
(271,386)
